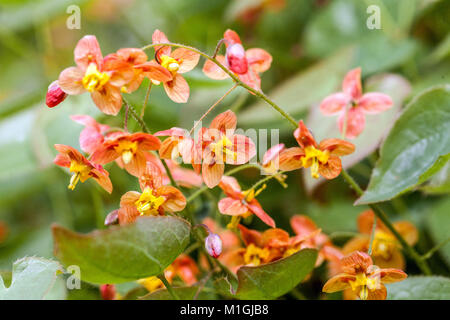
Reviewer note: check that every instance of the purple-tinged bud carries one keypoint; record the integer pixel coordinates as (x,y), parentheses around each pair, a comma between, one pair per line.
(55,95)
(236,59)
(112,218)
(213,245)
(108,291)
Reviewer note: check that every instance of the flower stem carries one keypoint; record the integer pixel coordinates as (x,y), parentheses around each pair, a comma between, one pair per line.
(383,217)
(172,292)
(147,95)
(372,236)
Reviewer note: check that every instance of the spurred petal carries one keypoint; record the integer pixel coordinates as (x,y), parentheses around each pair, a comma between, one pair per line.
(337,147)
(290,159)
(88,51)
(175,200)
(189,59)
(251,236)
(155,71)
(70,80)
(356,262)
(303,136)
(375,102)
(259,59)
(275,238)
(108,100)
(331,169)
(352,84)
(146,141)
(256,208)
(232,207)
(177,89)
(355,122)
(159,37)
(224,122)
(334,103)
(167,147)
(212,173)
(102,177)
(213,71)
(302,225)
(389,275)
(338,283)
(128,211)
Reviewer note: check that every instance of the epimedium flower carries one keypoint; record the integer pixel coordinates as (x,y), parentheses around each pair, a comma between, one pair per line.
(177,62)
(92,136)
(219,145)
(271,159)
(364,278)
(313,237)
(179,144)
(386,250)
(323,158)
(246,64)
(102,77)
(81,167)
(241,204)
(55,95)
(155,198)
(351,104)
(128,149)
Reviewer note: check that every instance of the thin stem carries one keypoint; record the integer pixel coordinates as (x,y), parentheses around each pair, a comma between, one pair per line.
(383,217)
(219,44)
(432,251)
(125,120)
(147,95)
(172,292)
(232,75)
(212,107)
(372,236)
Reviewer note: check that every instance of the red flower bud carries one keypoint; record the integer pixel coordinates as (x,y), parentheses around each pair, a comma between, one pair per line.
(213,245)
(55,95)
(236,58)
(108,291)
(112,218)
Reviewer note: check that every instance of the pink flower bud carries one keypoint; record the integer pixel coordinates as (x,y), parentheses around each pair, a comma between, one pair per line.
(213,245)
(108,291)
(55,95)
(112,218)
(236,58)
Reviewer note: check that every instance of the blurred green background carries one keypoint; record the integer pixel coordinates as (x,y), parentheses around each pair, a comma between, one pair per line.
(313,44)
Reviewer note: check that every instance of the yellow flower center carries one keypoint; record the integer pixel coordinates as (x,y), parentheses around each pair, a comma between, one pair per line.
(170,63)
(222,147)
(383,244)
(148,204)
(81,172)
(255,255)
(362,285)
(127,149)
(94,80)
(151,283)
(312,159)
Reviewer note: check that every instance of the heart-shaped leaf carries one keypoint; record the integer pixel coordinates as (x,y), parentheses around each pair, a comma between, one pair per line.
(420,288)
(419,137)
(376,128)
(120,254)
(272,280)
(32,279)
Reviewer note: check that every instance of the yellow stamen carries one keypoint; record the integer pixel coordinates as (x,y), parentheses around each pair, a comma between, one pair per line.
(384,244)
(94,80)
(255,256)
(222,148)
(362,285)
(127,156)
(127,149)
(171,64)
(151,283)
(234,222)
(148,204)
(81,173)
(313,158)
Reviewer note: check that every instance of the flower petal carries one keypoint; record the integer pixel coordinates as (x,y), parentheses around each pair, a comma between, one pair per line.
(334,103)
(146,141)
(230,186)
(88,51)
(225,121)
(244,149)
(189,59)
(408,231)
(232,207)
(231,37)
(272,154)
(250,236)
(128,212)
(213,71)
(70,80)
(212,173)
(338,283)
(337,147)
(102,177)
(303,136)
(159,37)
(175,200)
(355,122)
(108,100)
(155,71)
(390,275)
(331,169)
(356,262)
(374,102)
(137,165)
(256,208)
(302,225)
(177,89)
(378,294)
(290,159)
(152,176)
(259,59)
(352,84)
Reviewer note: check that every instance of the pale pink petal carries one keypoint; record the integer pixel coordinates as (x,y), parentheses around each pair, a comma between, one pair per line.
(108,100)
(375,102)
(355,122)
(88,51)
(244,149)
(232,207)
(352,84)
(70,80)
(213,71)
(189,59)
(159,37)
(224,122)
(334,103)
(272,153)
(231,37)
(255,207)
(230,186)
(259,59)
(212,173)
(177,89)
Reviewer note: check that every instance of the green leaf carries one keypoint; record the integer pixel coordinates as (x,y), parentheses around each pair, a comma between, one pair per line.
(33,279)
(417,140)
(376,128)
(438,220)
(420,288)
(184,293)
(272,280)
(120,254)
(440,182)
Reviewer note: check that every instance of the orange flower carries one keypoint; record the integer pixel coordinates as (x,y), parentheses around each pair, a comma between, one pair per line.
(102,77)
(81,167)
(247,64)
(386,250)
(219,145)
(177,62)
(240,204)
(271,159)
(323,159)
(92,136)
(127,149)
(155,198)
(363,278)
(312,237)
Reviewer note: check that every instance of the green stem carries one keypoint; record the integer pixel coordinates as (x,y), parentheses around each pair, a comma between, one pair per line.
(372,236)
(147,95)
(172,292)
(432,251)
(232,75)
(383,217)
